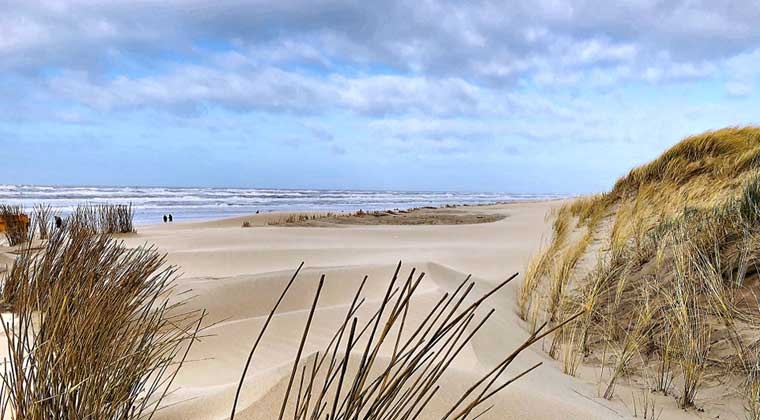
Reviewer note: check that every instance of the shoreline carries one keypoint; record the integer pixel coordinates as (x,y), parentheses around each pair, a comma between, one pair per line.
(194,204)
(278,214)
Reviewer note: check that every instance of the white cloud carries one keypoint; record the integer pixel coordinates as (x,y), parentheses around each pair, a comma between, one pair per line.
(380,95)
(471,40)
(268,88)
(735,88)
(237,83)
(595,50)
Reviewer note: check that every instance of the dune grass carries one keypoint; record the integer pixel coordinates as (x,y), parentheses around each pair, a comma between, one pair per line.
(542,262)
(295,218)
(93,330)
(102,218)
(43,215)
(671,295)
(116,218)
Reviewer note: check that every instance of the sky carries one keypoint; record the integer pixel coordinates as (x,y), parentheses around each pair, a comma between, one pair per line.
(539,96)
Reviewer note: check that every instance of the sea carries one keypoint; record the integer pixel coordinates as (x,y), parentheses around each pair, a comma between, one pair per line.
(195,204)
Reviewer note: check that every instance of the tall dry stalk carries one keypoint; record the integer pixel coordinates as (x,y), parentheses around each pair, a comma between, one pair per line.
(563,270)
(687,317)
(751,391)
(43,219)
(632,343)
(573,352)
(347,380)
(83,220)
(664,372)
(536,269)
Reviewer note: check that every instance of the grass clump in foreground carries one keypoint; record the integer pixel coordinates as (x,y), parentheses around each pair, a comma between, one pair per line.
(93,331)
(348,378)
(669,294)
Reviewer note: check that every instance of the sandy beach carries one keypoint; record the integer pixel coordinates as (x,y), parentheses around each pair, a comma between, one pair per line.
(237,273)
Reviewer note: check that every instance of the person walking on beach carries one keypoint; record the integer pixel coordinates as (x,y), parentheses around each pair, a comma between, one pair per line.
(171,219)
(165,219)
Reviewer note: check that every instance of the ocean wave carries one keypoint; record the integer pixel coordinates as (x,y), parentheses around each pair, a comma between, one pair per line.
(198,203)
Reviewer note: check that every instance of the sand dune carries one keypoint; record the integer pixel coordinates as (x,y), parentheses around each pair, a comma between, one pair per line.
(237,274)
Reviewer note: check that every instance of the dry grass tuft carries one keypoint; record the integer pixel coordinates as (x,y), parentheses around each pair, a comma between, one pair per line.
(116,218)
(92,332)
(102,218)
(295,218)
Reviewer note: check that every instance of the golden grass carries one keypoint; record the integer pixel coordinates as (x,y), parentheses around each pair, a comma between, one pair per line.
(671,295)
(701,171)
(563,269)
(535,271)
(719,154)
(542,262)
(629,348)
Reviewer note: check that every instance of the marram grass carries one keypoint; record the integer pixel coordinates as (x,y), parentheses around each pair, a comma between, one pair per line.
(673,277)
(92,330)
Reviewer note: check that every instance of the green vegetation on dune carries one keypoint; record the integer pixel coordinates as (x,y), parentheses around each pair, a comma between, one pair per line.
(669,286)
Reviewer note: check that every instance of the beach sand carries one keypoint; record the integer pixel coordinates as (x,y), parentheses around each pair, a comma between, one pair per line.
(237,273)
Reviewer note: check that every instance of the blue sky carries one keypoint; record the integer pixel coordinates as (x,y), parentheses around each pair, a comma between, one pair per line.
(526,96)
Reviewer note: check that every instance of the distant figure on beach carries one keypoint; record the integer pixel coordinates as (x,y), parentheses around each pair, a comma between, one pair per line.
(257,212)
(171,219)
(165,219)
(58,222)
